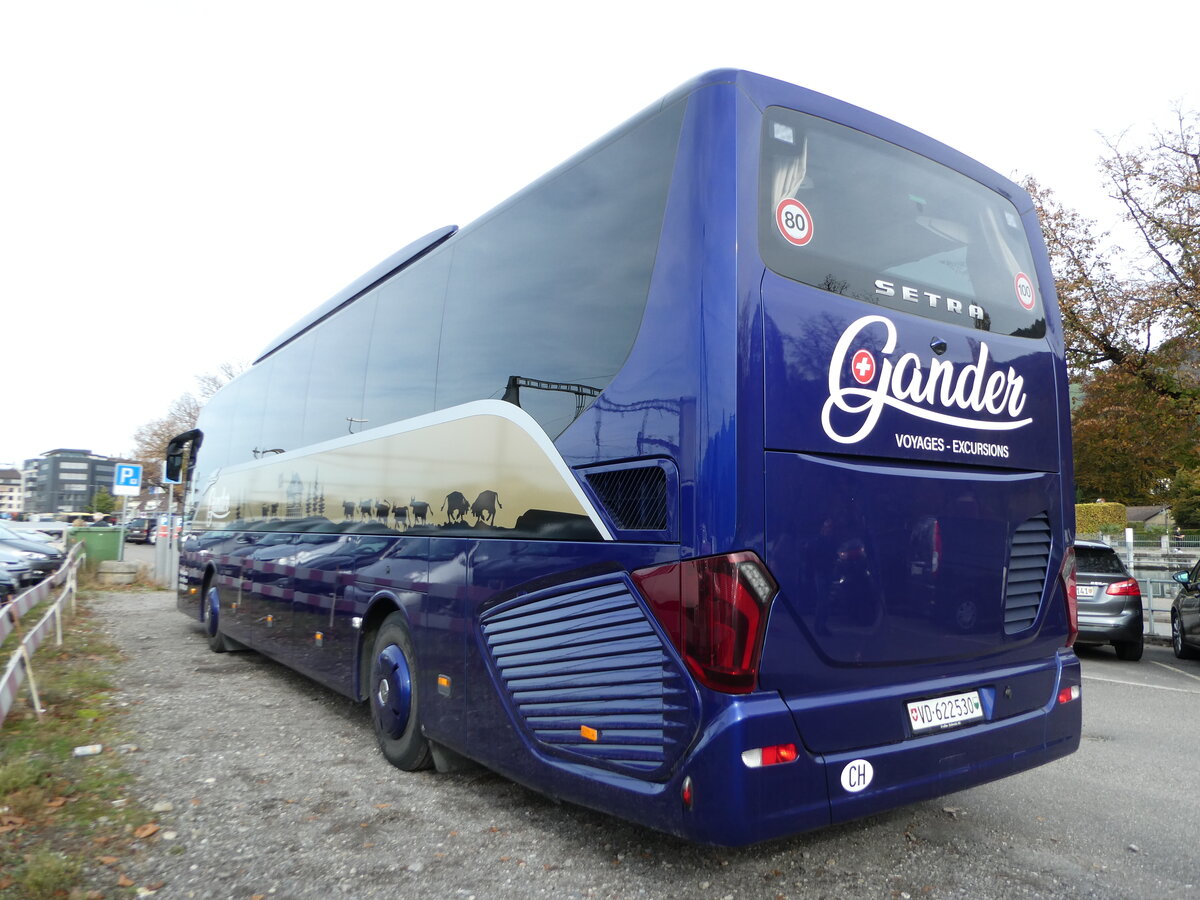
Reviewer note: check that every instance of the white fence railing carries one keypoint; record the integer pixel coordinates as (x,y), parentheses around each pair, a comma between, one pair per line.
(19,668)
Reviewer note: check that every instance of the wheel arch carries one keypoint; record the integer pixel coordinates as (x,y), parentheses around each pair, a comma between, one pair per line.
(382,605)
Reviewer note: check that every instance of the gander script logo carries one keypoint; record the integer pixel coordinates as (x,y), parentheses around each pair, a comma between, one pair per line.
(937,392)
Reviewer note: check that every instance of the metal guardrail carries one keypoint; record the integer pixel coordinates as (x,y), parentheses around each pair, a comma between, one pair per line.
(1157,597)
(20,662)
(1189,545)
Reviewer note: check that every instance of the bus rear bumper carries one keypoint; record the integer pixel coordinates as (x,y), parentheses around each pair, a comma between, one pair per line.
(736,805)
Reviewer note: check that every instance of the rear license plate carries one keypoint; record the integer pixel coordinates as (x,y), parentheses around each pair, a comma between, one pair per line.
(944,712)
(1085,590)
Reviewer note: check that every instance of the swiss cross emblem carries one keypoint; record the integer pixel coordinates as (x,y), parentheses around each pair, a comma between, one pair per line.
(863,367)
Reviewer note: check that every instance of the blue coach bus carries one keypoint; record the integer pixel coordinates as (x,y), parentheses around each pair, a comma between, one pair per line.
(719,480)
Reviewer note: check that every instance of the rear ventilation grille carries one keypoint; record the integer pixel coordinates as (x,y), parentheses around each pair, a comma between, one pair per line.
(1028,562)
(588,677)
(636,499)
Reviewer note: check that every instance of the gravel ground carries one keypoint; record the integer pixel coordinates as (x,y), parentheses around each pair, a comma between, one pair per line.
(268,785)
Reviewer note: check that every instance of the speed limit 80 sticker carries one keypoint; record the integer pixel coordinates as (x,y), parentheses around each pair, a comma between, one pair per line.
(794,221)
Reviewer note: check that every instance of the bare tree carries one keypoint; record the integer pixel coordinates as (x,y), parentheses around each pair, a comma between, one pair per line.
(150,440)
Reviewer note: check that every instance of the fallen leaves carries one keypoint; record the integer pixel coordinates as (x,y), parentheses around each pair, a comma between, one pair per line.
(145,831)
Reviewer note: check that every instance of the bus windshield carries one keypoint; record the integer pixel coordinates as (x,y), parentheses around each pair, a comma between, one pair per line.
(855,215)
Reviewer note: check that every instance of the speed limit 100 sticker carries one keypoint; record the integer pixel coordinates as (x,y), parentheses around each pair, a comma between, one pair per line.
(1024,286)
(794,221)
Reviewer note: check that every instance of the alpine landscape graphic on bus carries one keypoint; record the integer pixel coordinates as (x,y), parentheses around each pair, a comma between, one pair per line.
(719,480)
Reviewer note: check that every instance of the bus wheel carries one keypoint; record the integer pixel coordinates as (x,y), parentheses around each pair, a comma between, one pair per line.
(210,613)
(395,708)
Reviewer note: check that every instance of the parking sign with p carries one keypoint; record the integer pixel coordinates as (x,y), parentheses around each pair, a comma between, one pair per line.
(127,480)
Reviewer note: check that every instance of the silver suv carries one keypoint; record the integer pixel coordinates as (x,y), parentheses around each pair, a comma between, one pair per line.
(1110,600)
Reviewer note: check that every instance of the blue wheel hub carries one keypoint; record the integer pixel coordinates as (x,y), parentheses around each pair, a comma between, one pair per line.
(212,605)
(392,692)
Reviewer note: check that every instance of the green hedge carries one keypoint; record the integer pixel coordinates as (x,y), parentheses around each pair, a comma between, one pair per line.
(1092,518)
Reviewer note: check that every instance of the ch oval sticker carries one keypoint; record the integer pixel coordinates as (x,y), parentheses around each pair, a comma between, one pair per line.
(857,775)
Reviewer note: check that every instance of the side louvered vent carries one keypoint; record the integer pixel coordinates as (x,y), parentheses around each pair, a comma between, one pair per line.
(635,498)
(1027,566)
(588,677)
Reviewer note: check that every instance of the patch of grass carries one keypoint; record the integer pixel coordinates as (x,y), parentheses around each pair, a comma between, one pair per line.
(46,875)
(57,810)
(20,774)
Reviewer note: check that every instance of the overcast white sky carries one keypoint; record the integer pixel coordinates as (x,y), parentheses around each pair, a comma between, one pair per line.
(181,181)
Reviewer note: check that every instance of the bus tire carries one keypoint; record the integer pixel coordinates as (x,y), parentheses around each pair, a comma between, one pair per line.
(210,615)
(395,703)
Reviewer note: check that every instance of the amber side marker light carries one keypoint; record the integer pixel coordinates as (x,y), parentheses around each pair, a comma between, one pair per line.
(769,756)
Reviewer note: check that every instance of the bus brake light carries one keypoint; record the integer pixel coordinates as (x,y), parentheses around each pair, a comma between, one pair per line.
(769,756)
(1067,694)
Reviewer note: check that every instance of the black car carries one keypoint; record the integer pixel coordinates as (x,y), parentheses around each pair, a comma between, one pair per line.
(1185,615)
(1110,600)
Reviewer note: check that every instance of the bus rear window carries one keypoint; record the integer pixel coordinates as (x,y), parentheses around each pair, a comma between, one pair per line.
(855,215)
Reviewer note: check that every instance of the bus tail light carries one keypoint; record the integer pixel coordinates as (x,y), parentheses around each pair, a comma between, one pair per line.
(715,612)
(1066,576)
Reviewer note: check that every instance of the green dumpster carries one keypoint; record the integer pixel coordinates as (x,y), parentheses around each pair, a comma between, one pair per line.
(100,543)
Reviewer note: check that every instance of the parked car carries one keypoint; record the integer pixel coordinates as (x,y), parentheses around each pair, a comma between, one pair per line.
(15,566)
(31,534)
(1110,600)
(44,559)
(9,588)
(39,531)
(141,530)
(1185,615)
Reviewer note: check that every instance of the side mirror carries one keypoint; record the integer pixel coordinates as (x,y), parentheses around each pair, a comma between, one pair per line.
(174,471)
(1182,578)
